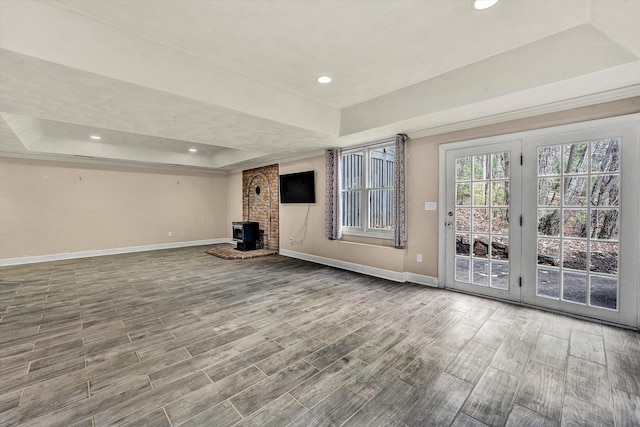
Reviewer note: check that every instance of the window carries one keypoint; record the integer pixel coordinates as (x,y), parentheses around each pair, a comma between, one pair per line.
(367,191)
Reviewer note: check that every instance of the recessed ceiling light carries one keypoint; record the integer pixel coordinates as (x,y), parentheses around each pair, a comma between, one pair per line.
(324,79)
(484,4)
(95,137)
(193,150)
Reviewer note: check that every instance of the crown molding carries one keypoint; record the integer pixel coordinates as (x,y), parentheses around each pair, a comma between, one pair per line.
(554,107)
(87,160)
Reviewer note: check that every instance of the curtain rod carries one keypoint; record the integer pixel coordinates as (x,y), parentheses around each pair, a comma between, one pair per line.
(372,143)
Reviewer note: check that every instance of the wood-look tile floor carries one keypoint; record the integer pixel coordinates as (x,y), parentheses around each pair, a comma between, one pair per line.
(181,338)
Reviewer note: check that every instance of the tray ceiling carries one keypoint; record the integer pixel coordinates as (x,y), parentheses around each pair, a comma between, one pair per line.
(235,79)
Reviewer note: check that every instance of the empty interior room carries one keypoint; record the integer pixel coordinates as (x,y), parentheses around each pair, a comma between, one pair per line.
(339,212)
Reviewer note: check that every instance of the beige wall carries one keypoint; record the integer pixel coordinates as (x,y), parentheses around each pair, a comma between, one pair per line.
(54,207)
(422,186)
(422,226)
(292,217)
(234,199)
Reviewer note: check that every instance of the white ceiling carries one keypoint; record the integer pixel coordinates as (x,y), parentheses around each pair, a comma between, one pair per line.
(235,79)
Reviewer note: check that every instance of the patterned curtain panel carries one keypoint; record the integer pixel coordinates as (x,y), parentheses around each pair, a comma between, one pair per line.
(333,228)
(399,214)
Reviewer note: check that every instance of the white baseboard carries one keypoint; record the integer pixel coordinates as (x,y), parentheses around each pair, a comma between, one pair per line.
(114,251)
(421,279)
(396,276)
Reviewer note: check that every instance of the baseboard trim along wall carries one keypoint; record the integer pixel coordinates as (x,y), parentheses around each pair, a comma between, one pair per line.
(115,251)
(421,279)
(396,276)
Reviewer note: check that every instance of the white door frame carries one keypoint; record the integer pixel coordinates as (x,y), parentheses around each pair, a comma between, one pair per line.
(628,127)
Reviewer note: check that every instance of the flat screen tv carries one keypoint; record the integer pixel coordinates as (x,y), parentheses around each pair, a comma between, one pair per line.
(298,187)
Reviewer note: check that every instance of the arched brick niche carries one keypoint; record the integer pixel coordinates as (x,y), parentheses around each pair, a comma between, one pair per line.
(260,202)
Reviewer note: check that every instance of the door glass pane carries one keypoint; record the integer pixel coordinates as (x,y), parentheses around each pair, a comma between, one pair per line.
(480,272)
(500,221)
(463,169)
(463,194)
(463,244)
(548,283)
(549,252)
(500,165)
(578,249)
(605,190)
(604,224)
(574,223)
(549,192)
(499,247)
(605,155)
(500,275)
(604,291)
(462,270)
(481,220)
(549,160)
(549,222)
(463,219)
(574,254)
(500,193)
(574,287)
(481,245)
(480,193)
(603,257)
(575,191)
(574,159)
(481,167)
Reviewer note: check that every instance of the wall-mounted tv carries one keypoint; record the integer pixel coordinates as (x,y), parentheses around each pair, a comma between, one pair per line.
(298,187)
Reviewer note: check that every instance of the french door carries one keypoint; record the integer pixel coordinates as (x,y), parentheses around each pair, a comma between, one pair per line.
(481,209)
(547,218)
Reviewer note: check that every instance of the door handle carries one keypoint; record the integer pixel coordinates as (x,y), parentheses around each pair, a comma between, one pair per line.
(449,224)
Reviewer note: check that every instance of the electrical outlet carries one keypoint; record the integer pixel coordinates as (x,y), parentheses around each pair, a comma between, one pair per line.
(291,240)
(419,257)
(170,233)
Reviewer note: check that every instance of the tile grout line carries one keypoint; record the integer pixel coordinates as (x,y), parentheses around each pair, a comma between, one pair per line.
(164,409)
(234,407)
(205,374)
(301,404)
(21,397)
(258,368)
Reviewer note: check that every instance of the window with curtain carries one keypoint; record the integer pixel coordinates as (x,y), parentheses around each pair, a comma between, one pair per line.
(367,191)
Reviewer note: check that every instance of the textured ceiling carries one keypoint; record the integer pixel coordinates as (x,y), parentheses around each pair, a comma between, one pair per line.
(370,47)
(236,78)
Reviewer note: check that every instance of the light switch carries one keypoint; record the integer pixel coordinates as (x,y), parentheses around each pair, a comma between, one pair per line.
(430,206)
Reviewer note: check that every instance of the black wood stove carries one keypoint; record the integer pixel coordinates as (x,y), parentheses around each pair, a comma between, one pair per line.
(246,234)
